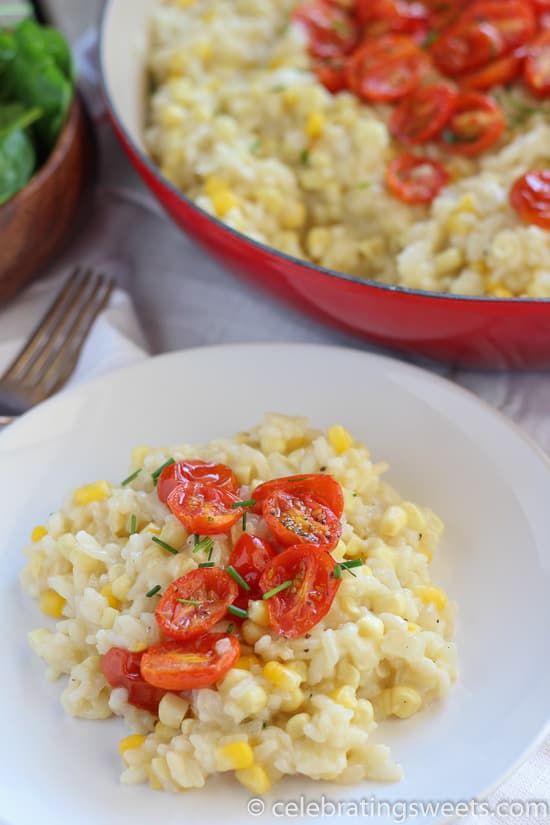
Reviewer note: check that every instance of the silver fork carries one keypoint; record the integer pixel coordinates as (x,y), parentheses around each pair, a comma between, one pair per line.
(50,355)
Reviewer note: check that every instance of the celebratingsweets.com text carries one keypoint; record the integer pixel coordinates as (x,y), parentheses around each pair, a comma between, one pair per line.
(399,811)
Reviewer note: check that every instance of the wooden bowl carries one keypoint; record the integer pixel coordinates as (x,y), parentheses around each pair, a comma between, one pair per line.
(34,223)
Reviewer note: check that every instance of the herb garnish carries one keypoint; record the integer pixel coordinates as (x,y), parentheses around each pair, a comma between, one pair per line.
(237,611)
(133,524)
(248,503)
(165,546)
(158,471)
(278,589)
(236,576)
(206,544)
(189,601)
(206,564)
(130,478)
(153,591)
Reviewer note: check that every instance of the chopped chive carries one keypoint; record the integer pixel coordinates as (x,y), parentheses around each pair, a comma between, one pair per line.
(130,478)
(304,156)
(189,601)
(205,544)
(279,88)
(133,524)
(165,546)
(237,611)
(197,539)
(236,576)
(206,564)
(153,591)
(210,551)
(229,628)
(256,146)
(431,37)
(158,471)
(277,589)
(364,184)
(352,563)
(337,572)
(248,503)
(245,514)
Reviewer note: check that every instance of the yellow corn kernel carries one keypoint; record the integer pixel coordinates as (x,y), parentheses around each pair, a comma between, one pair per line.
(271,199)
(172,710)
(223,201)
(405,701)
(203,50)
(395,603)
(120,587)
(289,97)
(246,662)
(258,612)
(108,618)
(52,604)
(482,267)
(151,528)
(293,701)
(281,676)
(339,438)
(364,713)
(214,184)
(315,125)
(499,292)
(38,533)
(186,4)
(165,732)
(412,627)
(98,491)
(85,563)
(432,595)
(130,743)
(172,116)
(370,627)
(139,454)
(251,631)
(294,215)
(277,62)
(235,756)
(174,533)
(393,520)
(466,204)
(139,647)
(344,696)
(177,65)
(207,16)
(416,519)
(107,592)
(255,779)
(296,724)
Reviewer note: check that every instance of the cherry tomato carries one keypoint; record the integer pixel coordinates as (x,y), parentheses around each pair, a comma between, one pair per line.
(537,65)
(322,487)
(250,557)
(513,19)
(441,13)
(466,46)
(121,668)
(530,197)
(422,115)
(476,124)
(332,73)
(385,16)
(193,604)
(500,72)
(203,472)
(331,30)
(203,509)
(414,179)
(197,663)
(386,69)
(301,518)
(299,607)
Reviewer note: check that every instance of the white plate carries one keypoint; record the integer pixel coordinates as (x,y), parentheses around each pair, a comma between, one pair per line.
(446,449)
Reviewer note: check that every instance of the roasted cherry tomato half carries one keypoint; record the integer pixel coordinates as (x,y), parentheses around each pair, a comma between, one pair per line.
(500,72)
(331,30)
(422,115)
(385,16)
(537,65)
(201,472)
(466,46)
(309,592)
(476,124)
(386,69)
(296,518)
(203,509)
(121,668)
(189,665)
(530,197)
(323,487)
(331,72)
(415,179)
(513,19)
(250,557)
(441,13)
(193,604)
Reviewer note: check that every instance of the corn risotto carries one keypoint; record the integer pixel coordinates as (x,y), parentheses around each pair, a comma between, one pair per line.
(238,121)
(305,705)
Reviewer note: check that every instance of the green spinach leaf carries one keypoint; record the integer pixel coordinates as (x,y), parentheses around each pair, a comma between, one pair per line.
(17,116)
(17,162)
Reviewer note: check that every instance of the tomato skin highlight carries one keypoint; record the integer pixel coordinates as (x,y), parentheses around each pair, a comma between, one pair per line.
(537,66)
(421,189)
(204,509)
(295,610)
(250,556)
(331,30)
(386,69)
(530,197)
(211,586)
(195,470)
(422,115)
(466,46)
(500,72)
(513,19)
(476,124)
(121,668)
(196,664)
(320,486)
(295,519)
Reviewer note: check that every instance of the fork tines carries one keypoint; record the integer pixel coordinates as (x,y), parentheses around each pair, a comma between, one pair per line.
(51,354)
